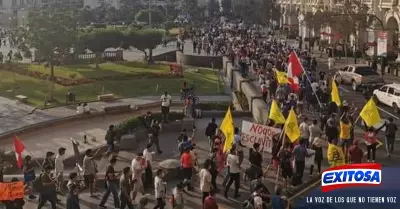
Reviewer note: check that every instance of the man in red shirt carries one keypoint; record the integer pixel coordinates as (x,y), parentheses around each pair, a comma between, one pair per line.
(355,153)
(187,167)
(210,202)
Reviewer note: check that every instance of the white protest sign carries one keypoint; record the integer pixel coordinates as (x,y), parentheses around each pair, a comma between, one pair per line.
(256,133)
(309,160)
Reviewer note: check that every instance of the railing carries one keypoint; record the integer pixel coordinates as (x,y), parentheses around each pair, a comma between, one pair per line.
(389,3)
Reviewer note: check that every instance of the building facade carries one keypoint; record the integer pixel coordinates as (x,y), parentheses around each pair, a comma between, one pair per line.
(97,3)
(386,15)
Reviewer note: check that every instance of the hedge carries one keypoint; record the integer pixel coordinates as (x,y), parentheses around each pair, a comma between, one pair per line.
(214,106)
(130,125)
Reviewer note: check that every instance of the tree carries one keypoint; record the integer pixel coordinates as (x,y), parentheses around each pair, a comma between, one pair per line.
(144,39)
(226,6)
(52,32)
(212,7)
(254,11)
(348,19)
(189,7)
(86,16)
(98,40)
(112,15)
(157,17)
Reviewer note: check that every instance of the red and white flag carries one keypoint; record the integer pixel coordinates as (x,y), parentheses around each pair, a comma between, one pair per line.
(18,148)
(295,69)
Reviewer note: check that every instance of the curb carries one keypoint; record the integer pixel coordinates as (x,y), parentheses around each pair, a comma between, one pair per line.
(72,118)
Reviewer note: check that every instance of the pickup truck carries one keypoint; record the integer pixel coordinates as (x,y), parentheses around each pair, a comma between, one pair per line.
(359,75)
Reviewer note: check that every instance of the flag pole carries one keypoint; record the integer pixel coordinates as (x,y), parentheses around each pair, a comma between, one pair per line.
(304,73)
(41,167)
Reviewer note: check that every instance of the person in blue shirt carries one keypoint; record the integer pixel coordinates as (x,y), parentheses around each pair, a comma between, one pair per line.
(277,201)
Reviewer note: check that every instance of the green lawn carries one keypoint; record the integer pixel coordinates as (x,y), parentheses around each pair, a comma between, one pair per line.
(106,69)
(36,90)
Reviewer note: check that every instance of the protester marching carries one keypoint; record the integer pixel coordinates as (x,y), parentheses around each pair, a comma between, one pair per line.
(308,122)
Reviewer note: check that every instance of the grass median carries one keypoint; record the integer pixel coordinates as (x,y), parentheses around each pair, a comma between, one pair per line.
(111,78)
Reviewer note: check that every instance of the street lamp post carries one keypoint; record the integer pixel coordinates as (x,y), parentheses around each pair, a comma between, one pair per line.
(150,13)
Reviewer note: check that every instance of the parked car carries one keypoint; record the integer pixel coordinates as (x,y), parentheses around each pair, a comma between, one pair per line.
(359,75)
(389,95)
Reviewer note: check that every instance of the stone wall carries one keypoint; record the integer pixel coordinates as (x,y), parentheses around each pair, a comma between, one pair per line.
(238,83)
(199,60)
(167,56)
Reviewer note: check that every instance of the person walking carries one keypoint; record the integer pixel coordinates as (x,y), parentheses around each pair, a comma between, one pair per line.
(59,168)
(355,154)
(205,180)
(48,192)
(148,172)
(73,192)
(89,172)
(125,188)
(285,156)
(390,136)
(233,164)
(111,184)
(177,200)
(165,104)
(160,189)
(29,175)
(137,168)
(371,140)
(318,156)
(210,202)
(110,137)
(315,131)
(305,132)
(187,167)
(237,140)
(300,154)
(153,136)
(211,130)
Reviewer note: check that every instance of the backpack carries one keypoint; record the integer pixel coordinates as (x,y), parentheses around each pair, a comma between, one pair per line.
(209,130)
(38,184)
(391,130)
(172,201)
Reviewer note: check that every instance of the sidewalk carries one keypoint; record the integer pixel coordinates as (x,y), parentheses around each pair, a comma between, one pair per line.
(15,115)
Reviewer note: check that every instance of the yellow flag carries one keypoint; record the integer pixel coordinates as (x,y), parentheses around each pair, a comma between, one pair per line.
(335,155)
(281,77)
(335,94)
(228,130)
(291,128)
(370,113)
(276,114)
(379,144)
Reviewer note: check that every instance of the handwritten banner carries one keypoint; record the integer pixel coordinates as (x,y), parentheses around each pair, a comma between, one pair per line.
(256,133)
(11,190)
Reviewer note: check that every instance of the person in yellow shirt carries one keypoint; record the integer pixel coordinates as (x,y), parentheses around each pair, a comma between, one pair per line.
(345,136)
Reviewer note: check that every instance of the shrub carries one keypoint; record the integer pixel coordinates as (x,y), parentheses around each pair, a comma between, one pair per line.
(133,123)
(215,106)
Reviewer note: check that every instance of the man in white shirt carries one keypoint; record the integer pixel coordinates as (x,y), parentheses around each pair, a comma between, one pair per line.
(137,169)
(165,103)
(148,157)
(233,163)
(237,141)
(205,179)
(305,131)
(331,63)
(159,189)
(59,168)
(315,131)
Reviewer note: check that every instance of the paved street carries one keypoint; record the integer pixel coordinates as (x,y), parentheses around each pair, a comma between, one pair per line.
(168,145)
(15,115)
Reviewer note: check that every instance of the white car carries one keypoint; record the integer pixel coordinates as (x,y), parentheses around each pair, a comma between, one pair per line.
(359,75)
(389,95)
